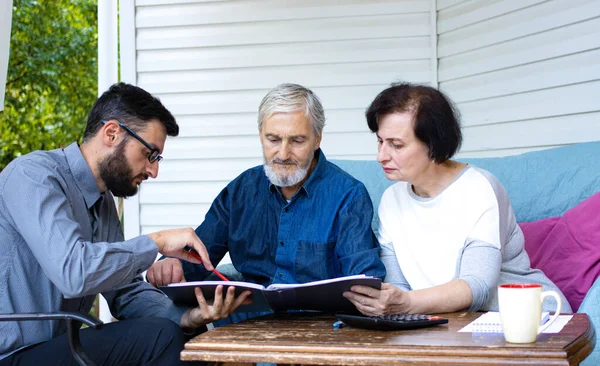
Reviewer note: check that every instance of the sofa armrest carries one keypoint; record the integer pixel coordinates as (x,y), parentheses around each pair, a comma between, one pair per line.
(74,321)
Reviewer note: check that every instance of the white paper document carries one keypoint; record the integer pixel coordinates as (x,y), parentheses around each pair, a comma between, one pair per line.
(559,324)
(490,323)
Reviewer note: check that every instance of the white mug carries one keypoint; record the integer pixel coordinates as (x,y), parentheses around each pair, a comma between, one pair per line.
(520,308)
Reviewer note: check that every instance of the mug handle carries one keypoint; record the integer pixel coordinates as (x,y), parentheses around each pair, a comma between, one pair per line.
(543,295)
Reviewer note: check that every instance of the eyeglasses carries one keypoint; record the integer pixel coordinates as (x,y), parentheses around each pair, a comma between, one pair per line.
(154,153)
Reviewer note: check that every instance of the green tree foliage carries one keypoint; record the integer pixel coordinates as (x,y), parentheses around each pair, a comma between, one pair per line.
(52,75)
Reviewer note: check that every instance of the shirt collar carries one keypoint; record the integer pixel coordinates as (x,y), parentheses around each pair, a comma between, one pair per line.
(309,186)
(82,174)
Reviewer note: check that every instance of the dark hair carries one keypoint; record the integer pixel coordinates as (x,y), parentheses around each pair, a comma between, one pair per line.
(130,105)
(435,119)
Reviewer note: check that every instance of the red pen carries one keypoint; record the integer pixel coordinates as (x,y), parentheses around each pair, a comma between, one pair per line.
(195,254)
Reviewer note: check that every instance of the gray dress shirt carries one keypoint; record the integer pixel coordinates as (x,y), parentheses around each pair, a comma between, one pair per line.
(61,243)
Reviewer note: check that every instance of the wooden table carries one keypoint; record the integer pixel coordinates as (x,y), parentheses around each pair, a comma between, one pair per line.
(311,339)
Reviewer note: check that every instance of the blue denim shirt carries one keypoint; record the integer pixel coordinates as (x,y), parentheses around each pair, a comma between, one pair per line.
(323,232)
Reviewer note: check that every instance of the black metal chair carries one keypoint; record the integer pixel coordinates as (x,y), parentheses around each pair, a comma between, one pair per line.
(74,321)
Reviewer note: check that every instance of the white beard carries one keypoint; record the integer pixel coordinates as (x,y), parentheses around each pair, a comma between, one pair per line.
(282,180)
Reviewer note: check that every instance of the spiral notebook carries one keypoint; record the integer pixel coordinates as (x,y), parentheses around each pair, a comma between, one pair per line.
(490,323)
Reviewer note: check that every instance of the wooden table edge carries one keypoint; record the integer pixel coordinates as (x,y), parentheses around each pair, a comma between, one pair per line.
(577,351)
(583,345)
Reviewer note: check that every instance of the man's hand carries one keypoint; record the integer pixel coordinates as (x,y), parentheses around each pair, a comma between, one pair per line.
(164,272)
(171,243)
(389,300)
(221,307)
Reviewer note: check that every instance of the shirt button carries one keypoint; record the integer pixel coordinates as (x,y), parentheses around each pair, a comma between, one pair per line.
(287,209)
(281,275)
(281,243)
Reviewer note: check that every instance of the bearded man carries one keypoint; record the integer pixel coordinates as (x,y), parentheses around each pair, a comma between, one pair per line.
(298,218)
(61,243)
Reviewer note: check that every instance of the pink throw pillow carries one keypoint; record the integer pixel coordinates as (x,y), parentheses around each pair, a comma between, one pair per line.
(567,248)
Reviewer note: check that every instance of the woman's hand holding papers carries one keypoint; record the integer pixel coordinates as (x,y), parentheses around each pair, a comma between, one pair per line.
(370,301)
(450,296)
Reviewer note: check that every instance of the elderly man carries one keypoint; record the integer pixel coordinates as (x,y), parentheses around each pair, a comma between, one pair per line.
(61,243)
(298,218)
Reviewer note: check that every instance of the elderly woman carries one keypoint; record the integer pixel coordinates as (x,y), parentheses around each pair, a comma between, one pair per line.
(447,230)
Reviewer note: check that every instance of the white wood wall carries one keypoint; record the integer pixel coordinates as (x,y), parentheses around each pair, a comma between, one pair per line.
(211,62)
(525,74)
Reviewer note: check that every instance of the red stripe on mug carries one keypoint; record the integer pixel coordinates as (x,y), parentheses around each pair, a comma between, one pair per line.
(521,285)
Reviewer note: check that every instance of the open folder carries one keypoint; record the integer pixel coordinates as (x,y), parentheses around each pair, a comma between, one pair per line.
(325,295)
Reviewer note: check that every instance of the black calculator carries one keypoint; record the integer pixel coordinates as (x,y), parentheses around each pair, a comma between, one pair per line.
(391,321)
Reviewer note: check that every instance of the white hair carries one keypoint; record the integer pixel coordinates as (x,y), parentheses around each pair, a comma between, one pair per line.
(289,98)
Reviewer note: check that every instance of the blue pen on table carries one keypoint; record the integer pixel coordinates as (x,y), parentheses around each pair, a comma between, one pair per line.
(339,324)
(195,254)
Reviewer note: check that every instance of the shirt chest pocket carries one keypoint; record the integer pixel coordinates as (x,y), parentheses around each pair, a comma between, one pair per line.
(315,261)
